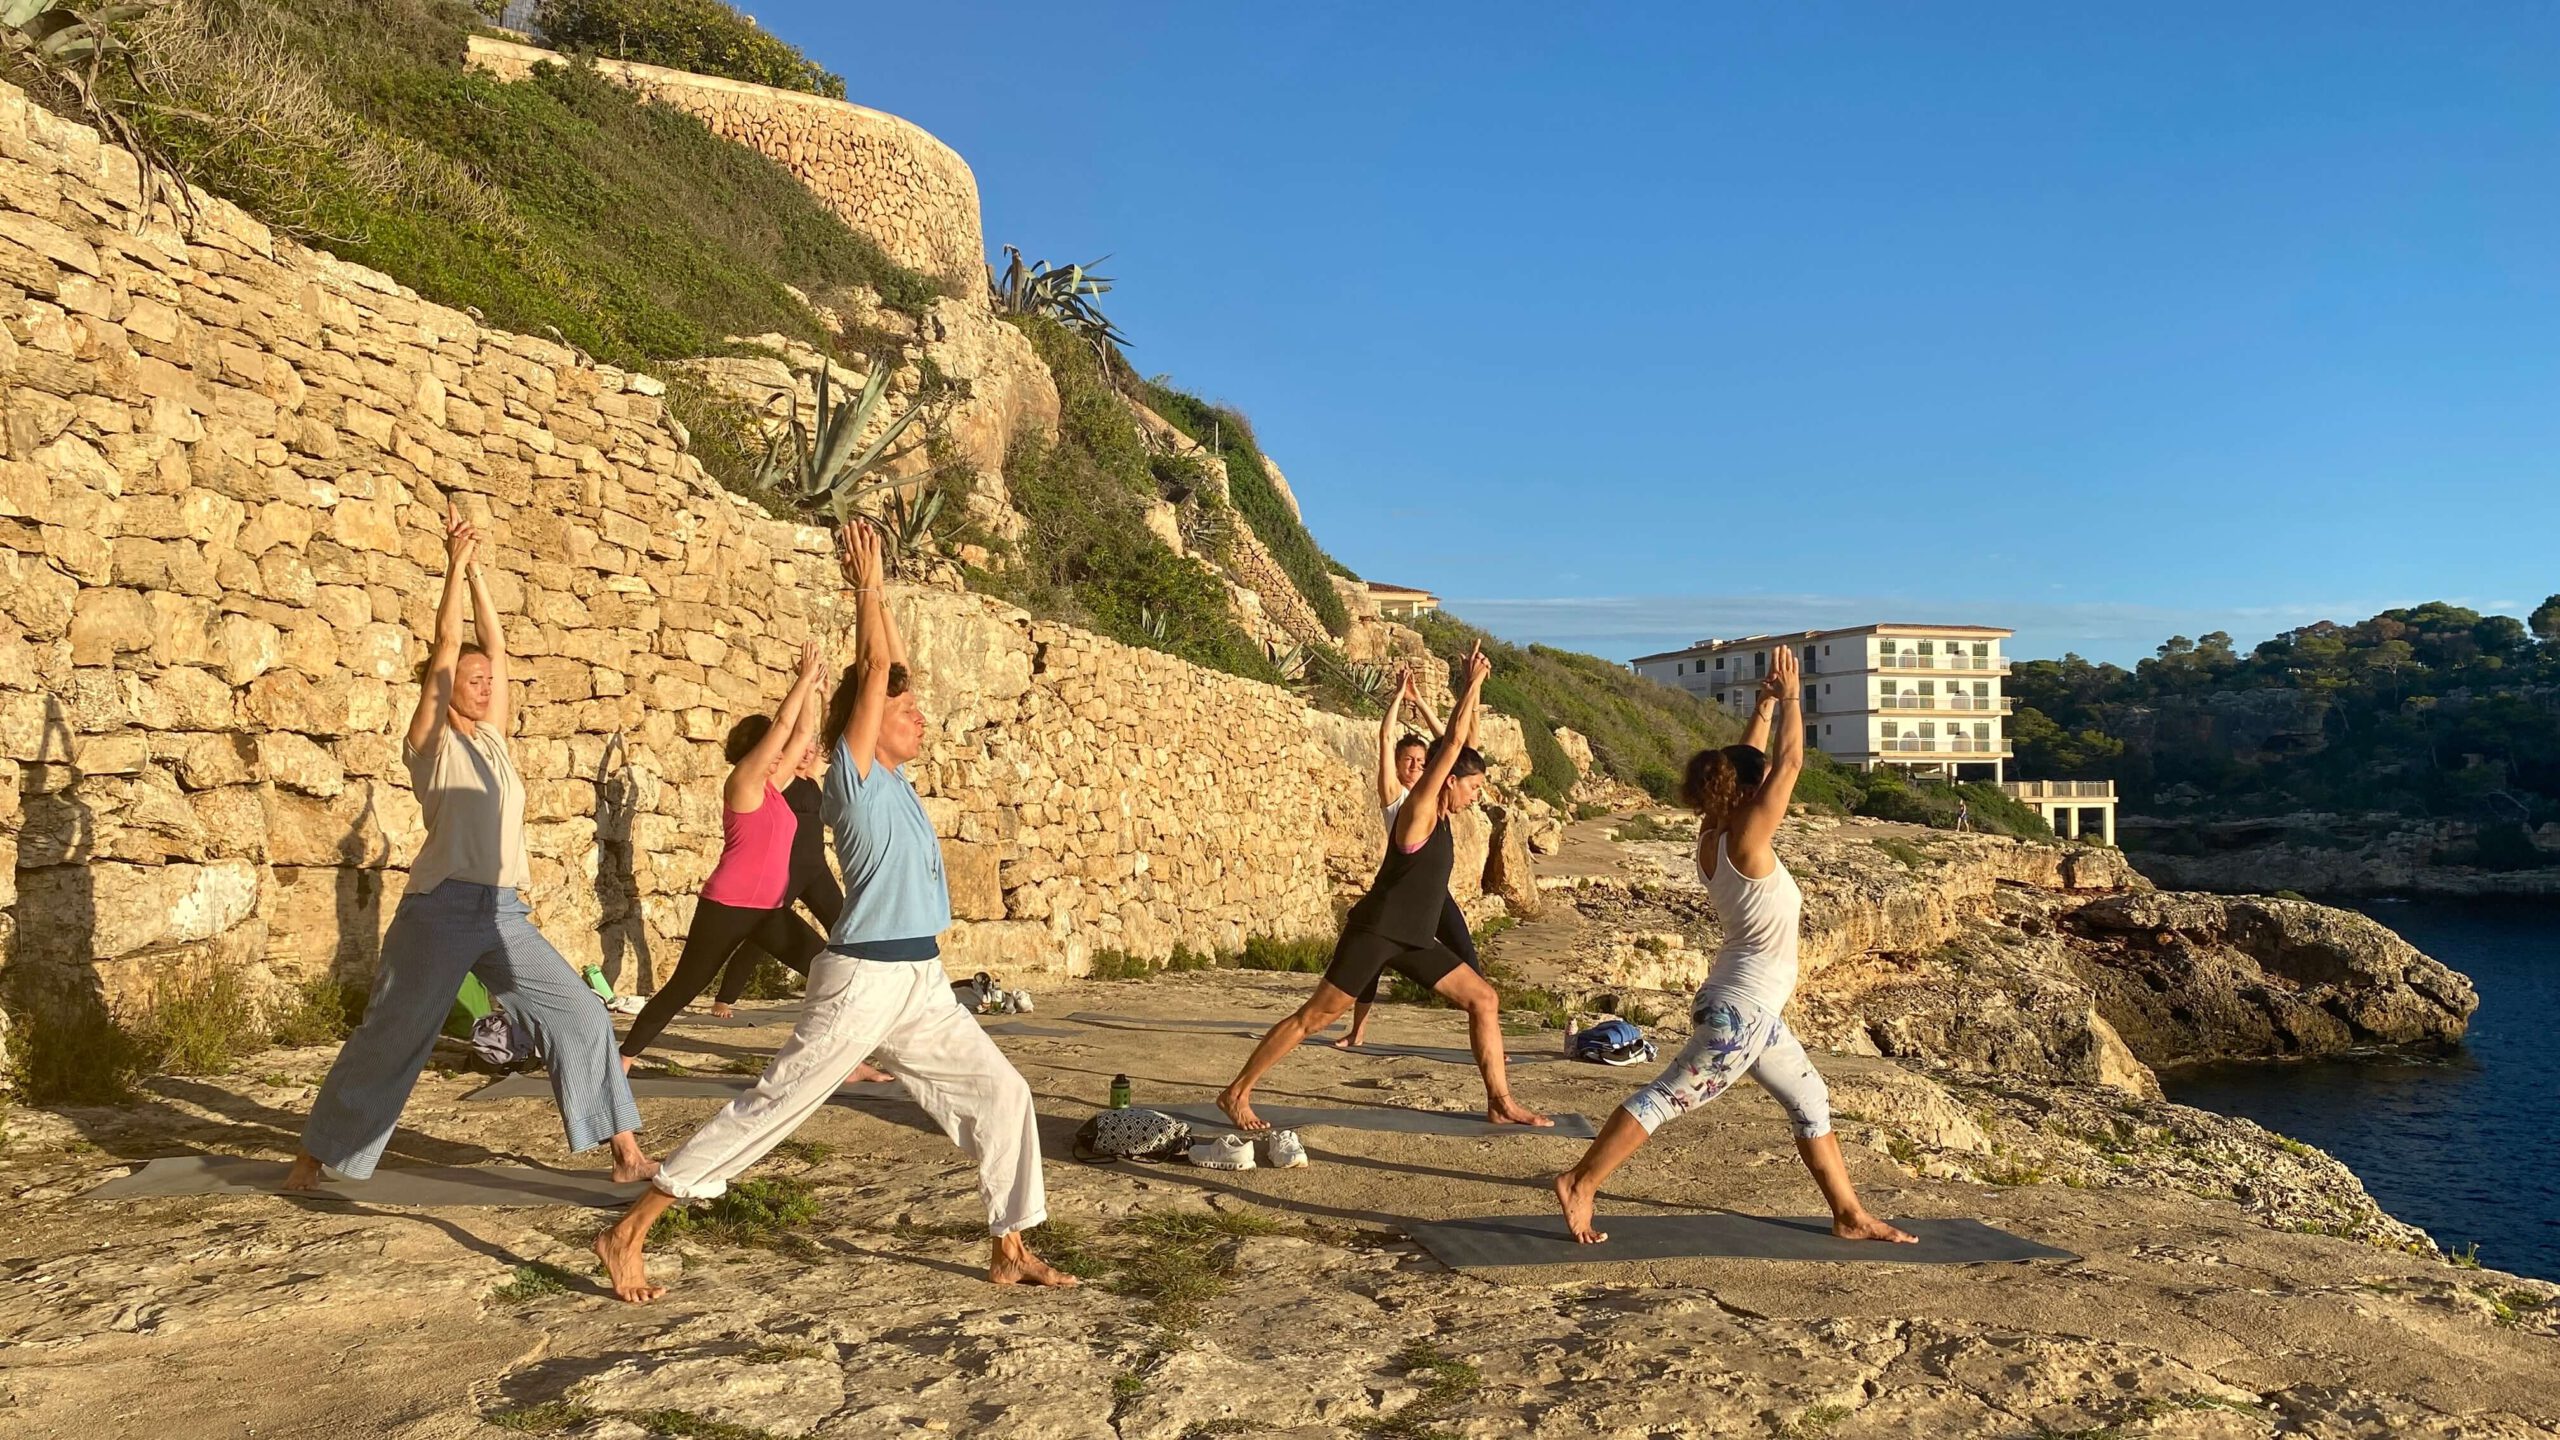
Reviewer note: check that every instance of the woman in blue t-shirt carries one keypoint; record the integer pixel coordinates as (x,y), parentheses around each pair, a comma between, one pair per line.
(878,988)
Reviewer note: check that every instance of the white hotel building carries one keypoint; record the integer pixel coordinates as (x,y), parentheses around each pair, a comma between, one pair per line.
(1926,698)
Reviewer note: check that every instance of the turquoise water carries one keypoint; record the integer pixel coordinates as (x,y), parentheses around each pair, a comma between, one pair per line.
(2466,1146)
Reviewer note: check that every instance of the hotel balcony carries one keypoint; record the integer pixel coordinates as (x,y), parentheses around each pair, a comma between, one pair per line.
(1943,745)
(1973,664)
(1969,704)
(2060,789)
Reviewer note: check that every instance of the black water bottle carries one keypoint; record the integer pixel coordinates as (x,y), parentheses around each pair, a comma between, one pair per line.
(1119,1092)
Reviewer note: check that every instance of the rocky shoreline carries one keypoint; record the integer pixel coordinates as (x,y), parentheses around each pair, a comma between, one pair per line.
(2229,1282)
(2336,856)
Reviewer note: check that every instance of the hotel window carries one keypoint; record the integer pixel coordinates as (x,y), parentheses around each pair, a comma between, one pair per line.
(1678,669)
(1719,662)
(1982,730)
(1892,729)
(1808,737)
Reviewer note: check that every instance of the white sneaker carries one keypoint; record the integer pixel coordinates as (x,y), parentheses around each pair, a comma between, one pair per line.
(1281,1150)
(1227,1152)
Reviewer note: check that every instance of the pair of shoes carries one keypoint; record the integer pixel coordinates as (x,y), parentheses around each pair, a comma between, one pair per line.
(1281,1150)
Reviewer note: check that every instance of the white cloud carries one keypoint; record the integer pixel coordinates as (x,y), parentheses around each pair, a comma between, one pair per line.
(1619,626)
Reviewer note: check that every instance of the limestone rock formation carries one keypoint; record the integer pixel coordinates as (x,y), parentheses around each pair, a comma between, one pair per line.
(2206,977)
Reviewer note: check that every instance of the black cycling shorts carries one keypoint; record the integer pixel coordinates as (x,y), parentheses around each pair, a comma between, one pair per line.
(1361,955)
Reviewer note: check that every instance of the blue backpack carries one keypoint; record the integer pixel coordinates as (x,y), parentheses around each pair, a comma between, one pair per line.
(1611,1042)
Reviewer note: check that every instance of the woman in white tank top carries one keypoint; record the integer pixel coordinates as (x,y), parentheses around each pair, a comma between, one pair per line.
(1740,793)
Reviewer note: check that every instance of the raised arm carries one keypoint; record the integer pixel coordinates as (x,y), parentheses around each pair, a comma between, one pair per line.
(1387,737)
(1422,808)
(461,542)
(493,642)
(875,643)
(747,779)
(1756,734)
(1755,819)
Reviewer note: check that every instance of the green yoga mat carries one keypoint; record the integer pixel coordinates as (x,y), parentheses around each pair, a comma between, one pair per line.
(428,1186)
(1542,1239)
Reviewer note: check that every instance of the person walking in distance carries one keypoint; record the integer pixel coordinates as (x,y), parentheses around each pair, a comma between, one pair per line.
(1740,793)
(1399,766)
(464,913)
(1396,924)
(879,985)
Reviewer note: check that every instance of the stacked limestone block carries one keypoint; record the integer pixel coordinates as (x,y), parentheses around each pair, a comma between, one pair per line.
(224,461)
(887,178)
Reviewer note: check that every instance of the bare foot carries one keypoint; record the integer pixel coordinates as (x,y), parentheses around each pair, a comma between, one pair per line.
(720,1010)
(630,1162)
(1347,1042)
(1014,1264)
(1507,1111)
(868,1072)
(304,1176)
(1576,1203)
(627,1268)
(1238,1105)
(1863,1226)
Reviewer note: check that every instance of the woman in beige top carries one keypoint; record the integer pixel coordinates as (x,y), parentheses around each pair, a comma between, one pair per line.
(464,913)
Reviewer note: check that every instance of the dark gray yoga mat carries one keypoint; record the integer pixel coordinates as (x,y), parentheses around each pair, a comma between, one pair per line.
(1009,1026)
(1388,1119)
(423,1185)
(1250,1029)
(681,1087)
(1542,1240)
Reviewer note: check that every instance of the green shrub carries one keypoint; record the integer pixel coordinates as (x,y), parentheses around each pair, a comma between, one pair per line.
(1648,827)
(199,1025)
(1305,955)
(701,36)
(750,1212)
(1281,532)
(321,1011)
(75,1055)
(563,203)
(1890,795)
(1088,557)
(1641,732)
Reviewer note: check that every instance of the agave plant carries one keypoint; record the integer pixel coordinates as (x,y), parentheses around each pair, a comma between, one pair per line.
(906,523)
(1158,624)
(831,464)
(1064,293)
(71,48)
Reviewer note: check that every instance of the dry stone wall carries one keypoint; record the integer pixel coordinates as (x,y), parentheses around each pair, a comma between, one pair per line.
(887,177)
(223,463)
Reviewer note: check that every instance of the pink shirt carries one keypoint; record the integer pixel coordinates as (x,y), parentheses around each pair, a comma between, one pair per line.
(755,855)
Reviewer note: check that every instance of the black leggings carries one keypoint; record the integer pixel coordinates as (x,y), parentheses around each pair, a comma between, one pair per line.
(819,892)
(719,933)
(1361,956)
(1454,937)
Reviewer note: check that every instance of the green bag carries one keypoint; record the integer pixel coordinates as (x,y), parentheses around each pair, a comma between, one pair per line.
(469,1005)
(594,976)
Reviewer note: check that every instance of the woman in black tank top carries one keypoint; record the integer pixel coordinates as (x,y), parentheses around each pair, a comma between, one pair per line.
(1395,926)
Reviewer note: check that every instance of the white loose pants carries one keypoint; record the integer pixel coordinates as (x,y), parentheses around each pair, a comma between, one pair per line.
(901,1012)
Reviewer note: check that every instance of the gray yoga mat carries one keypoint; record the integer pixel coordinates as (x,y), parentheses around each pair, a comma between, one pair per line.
(1031,1027)
(1542,1240)
(1388,1119)
(1454,1055)
(432,1186)
(681,1087)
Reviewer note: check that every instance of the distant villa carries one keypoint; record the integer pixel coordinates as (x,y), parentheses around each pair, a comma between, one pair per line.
(1925,698)
(1399,600)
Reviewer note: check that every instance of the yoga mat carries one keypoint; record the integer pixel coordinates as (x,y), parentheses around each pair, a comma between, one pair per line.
(1454,1055)
(731,1022)
(1542,1240)
(1388,1119)
(1010,1026)
(681,1087)
(423,1185)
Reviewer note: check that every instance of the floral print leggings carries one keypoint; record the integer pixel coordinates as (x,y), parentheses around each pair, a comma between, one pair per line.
(1734,1038)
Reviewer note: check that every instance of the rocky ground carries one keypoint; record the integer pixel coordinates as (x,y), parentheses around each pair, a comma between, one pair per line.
(2232,1283)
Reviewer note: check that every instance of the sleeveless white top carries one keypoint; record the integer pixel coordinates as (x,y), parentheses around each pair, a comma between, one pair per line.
(1761,917)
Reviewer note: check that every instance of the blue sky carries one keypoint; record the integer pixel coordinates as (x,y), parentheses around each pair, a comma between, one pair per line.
(1623,325)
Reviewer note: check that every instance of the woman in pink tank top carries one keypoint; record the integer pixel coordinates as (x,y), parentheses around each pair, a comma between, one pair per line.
(747,896)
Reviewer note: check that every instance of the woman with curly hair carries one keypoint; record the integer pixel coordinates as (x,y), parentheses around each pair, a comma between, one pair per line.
(1740,793)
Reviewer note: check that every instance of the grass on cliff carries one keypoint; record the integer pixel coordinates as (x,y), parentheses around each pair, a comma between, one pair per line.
(1227,431)
(1088,557)
(1641,732)
(562,203)
(80,1054)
